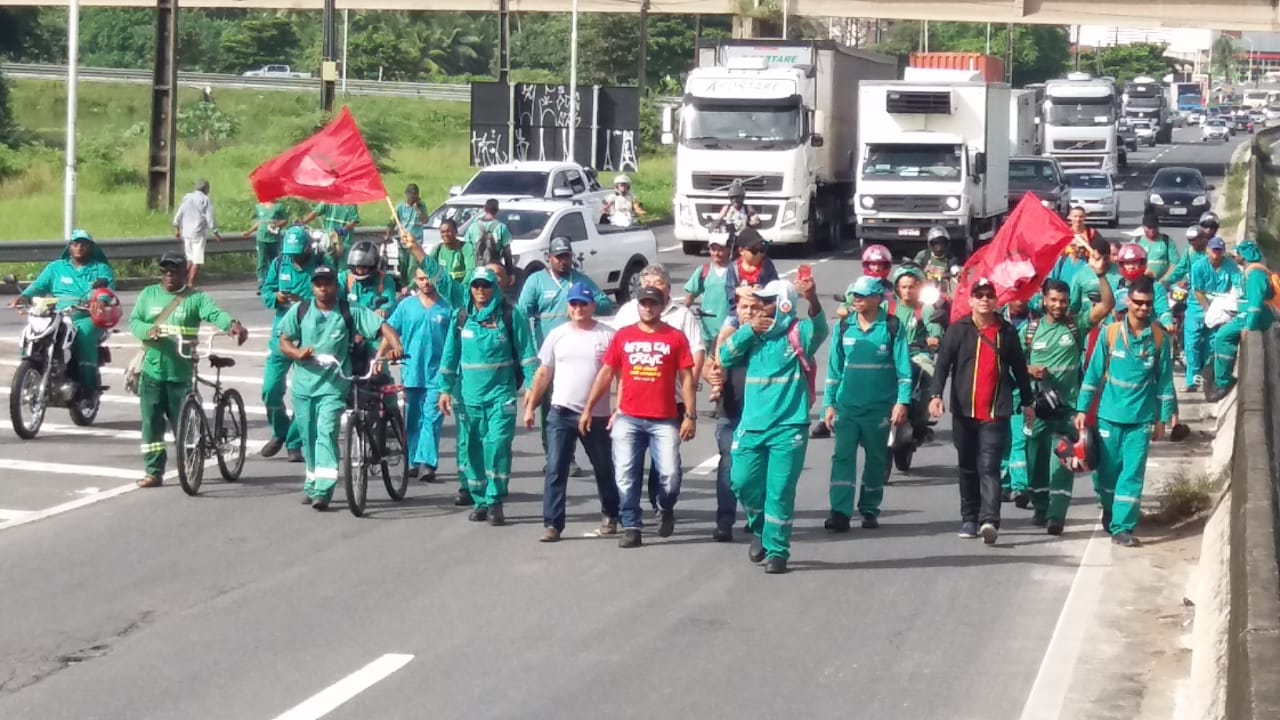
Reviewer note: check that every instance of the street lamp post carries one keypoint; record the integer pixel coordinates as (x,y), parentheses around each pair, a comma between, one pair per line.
(73,62)
(573,82)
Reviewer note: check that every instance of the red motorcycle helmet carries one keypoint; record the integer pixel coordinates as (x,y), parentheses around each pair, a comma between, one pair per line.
(1131,258)
(877,255)
(104,308)
(1077,452)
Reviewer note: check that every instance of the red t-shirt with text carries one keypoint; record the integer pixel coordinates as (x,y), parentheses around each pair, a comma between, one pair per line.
(647,365)
(986,374)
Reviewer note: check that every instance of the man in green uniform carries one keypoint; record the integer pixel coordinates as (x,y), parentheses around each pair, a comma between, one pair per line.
(1255,314)
(490,238)
(1013,467)
(166,319)
(487,353)
(326,325)
(1084,284)
(1162,254)
(270,219)
(868,389)
(455,256)
(1132,370)
(70,279)
(1054,346)
(772,436)
(288,282)
(363,284)
(338,221)
(708,283)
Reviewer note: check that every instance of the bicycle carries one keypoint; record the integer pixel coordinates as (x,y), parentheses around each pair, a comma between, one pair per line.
(370,435)
(193,440)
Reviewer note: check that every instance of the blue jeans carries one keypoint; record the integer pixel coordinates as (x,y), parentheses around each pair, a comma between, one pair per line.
(726,501)
(562,436)
(631,436)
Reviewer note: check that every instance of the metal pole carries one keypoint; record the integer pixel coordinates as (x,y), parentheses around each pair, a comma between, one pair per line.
(573,80)
(786,7)
(346,29)
(504,41)
(642,74)
(73,60)
(988,38)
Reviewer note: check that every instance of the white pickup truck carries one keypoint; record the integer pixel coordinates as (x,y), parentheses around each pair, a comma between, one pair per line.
(611,257)
(547,180)
(277,71)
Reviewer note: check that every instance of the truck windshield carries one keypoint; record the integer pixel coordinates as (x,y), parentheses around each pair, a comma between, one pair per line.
(1144,102)
(710,126)
(508,182)
(523,224)
(912,162)
(1067,113)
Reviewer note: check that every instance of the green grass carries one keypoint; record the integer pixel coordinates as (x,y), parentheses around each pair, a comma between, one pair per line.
(427,144)
(1184,495)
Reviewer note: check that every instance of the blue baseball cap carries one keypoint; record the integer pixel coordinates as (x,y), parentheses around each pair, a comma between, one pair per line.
(1217,243)
(579,292)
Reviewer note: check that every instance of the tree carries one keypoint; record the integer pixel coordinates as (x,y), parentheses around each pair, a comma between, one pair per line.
(1040,52)
(1126,62)
(1224,65)
(256,42)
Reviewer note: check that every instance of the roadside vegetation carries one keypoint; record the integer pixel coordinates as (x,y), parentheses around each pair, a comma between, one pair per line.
(1184,496)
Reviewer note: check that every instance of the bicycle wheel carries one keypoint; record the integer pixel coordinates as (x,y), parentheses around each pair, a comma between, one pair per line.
(189,444)
(229,435)
(395,455)
(353,467)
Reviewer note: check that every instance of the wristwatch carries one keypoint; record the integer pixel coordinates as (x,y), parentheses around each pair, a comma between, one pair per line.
(693,416)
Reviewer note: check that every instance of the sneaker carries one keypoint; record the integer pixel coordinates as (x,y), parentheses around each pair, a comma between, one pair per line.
(496,517)
(1125,539)
(723,532)
(295,456)
(320,504)
(630,539)
(755,552)
(666,523)
(550,535)
(463,498)
(1056,527)
(271,448)
(479,515)
(776,566)
(307,499)
(608,526)
(576,472)
(837,522)
(1038,519)
(968,530)
(428,475)
(870,522)
(989,533)
(1021,500)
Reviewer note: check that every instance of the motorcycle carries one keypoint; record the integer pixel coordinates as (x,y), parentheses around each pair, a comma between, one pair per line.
(1178,309)
(908,437)
(937,292)
(46,374)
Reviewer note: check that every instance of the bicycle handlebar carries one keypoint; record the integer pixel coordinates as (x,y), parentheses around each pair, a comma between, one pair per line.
(331,362)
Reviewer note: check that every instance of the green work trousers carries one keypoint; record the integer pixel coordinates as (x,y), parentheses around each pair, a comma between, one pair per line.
(766,466)
(273,384)
(1226,344)
(870,431)
(1122,467)
(267,254)
(86,352)
(485,434)
(318,420)
(1049,481)
(159,400)
(1013,468)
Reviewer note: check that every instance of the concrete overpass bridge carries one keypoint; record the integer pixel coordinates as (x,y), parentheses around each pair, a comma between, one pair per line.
(1261,15)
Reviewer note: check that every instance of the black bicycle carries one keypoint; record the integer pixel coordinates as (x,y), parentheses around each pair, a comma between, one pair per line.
(194,441)
(371,436)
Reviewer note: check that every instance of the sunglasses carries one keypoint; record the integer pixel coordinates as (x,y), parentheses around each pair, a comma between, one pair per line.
(984,296)
(864,297)
(1139,303)
(482,284)
(579,303)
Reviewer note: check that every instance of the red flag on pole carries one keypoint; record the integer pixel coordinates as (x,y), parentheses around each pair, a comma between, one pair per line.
(332,166)
(1018,259)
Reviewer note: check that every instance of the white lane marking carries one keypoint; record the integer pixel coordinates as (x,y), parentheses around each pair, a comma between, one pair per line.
(231,352)
(669,248)
(6,514)
(706,467)
(1049,691)
(205,332)
(328,700)
(69,469)
(55,430)
(108,370)
(824,260)
(208,406)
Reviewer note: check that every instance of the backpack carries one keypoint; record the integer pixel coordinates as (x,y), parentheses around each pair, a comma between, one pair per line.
(360,351)
(1034,325)
(487,252)
(461,320)
(1274,281)
(891,321)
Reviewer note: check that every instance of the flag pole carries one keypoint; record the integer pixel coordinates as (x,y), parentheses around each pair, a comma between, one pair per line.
(396,216)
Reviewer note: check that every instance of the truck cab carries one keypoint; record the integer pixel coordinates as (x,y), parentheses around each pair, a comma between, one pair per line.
(1080,116)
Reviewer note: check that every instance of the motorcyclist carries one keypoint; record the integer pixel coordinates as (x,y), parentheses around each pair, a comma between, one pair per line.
(621,207)
(364,283)
(936,260)
(1133,263)
(737,215)
(70,279)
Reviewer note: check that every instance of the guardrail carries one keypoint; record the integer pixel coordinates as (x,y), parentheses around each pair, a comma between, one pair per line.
(41,251)
(427,91)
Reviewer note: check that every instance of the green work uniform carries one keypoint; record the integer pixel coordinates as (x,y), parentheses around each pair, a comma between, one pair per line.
(868,371)
(166,374)
(412,218)
(268,217)
(478,368)
(1013,467)
(498,229)
(458,262)
(320,393)
(1135,379)
(1162,255)
(376,292)
(1255,314)
(454,294)
(334,219)
(71,284)
(1058,348)
(772,436)
(1085,284)
(1182,270)
(283,276)
(708,283)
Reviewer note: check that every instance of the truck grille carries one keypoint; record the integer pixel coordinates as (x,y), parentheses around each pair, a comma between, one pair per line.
(751,183)
(918,103)
(908,203)
(1079,145)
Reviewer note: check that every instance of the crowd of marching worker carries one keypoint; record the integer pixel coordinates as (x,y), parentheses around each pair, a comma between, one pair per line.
(1079,378)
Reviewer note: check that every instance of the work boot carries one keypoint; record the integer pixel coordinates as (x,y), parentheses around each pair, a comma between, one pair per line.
(1038,519)
(630,539)
(989,533)
(776,566)
(307,499)
(1125,539)
(271,448)
(412,472)
(1006,496)
(463,498)
(479,515)
(837,522)
(870,522)
(723,532)
(1106,521)
(295,456)
(666,523)
(428,475)
(755,552)
(496,517)
(608,526)
(1056,527)
(320,504)
(1021,500)
(550,535)
(819,430)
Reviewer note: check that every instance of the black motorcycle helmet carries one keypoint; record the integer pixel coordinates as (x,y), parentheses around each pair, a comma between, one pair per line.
(363,259)
(1048,404)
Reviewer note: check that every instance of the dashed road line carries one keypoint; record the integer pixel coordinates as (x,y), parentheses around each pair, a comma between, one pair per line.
(118,400)
(328,700)
(109,370)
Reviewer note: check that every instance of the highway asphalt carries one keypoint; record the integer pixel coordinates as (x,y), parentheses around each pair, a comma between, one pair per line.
(243,604)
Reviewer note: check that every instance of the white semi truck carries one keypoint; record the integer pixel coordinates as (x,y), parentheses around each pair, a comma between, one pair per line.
(1080,115)
(780,119)
(932,154)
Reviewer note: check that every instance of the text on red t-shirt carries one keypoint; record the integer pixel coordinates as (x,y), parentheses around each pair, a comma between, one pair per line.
(647,366)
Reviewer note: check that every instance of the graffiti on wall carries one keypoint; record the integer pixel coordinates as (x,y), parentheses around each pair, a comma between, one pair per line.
(531,122)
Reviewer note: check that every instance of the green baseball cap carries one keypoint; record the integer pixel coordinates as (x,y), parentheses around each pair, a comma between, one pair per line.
(483,274)
(295,241)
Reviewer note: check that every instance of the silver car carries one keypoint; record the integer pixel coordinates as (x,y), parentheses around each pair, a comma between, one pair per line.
(1095,191)
(1215,129)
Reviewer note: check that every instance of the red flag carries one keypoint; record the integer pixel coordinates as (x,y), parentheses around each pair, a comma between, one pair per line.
(332,166)
(1018,259)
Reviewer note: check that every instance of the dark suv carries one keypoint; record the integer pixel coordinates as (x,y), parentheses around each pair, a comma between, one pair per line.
(1042,177)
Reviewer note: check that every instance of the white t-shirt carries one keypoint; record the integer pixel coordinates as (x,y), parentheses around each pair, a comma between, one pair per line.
(620,210)
(576,356)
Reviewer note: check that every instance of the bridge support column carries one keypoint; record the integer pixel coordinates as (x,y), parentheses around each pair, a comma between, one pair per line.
(162,157)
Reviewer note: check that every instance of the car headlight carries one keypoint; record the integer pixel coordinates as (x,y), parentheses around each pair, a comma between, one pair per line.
(1156,199)
(868,202)
(1200,200)
(953,203)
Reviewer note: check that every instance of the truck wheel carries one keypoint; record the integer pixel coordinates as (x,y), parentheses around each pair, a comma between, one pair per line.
(692,247)
(630,281)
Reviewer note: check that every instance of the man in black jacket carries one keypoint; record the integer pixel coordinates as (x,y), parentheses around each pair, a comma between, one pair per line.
(983,358)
